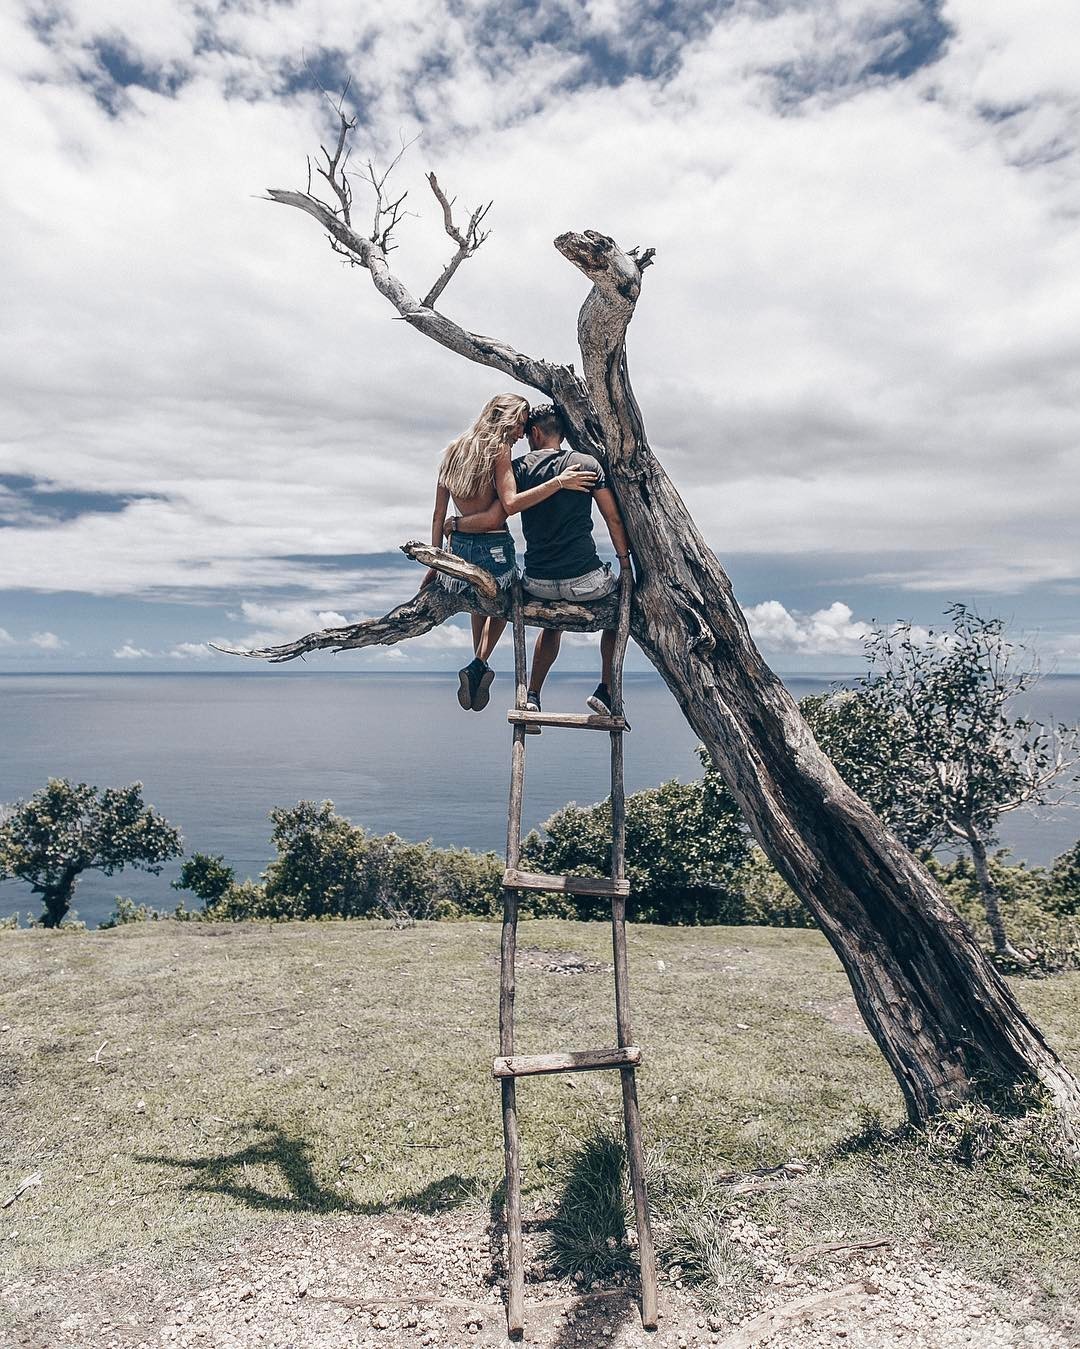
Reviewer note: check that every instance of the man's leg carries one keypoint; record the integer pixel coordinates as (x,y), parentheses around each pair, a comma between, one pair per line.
(607,655)
(544,653)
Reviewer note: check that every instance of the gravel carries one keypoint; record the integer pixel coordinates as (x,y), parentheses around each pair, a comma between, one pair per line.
(410,1280)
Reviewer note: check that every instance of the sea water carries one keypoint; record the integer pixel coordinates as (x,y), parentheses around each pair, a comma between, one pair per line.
(394,752)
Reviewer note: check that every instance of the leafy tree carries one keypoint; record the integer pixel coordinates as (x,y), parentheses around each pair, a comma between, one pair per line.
(206,877)
(686,845)
(67,828)
(327,867)
(1065,881)
(930,740)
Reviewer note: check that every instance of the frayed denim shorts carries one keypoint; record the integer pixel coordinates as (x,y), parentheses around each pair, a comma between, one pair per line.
(491,552)
(594,585)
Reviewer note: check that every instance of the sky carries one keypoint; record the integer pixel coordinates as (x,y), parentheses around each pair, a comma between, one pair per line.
(857,353)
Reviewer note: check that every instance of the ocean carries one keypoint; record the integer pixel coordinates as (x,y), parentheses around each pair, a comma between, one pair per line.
(394,752)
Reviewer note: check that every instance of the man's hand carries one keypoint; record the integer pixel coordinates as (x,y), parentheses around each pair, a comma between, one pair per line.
(577,479)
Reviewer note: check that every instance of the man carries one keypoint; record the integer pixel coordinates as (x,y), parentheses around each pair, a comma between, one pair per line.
(561,561)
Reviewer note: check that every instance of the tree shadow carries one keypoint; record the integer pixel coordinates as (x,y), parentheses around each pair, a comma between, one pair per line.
(226,1174)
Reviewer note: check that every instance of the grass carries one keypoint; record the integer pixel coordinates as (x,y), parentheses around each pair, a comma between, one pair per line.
(177,1084)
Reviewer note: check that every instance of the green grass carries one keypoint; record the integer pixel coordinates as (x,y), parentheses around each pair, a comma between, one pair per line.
(345,1067)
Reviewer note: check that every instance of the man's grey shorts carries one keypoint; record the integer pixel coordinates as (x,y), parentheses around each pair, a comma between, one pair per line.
(594,585)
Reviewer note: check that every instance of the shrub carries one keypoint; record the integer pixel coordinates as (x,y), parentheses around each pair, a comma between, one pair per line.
(206,877)
(686,846)
(328,868)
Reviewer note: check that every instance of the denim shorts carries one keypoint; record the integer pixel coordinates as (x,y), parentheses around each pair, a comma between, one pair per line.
(491,552)
(594,585)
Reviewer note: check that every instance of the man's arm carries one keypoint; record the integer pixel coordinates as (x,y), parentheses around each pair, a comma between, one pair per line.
(511,501)
(609,509)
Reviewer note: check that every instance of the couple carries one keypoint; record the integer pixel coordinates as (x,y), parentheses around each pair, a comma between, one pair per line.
(554,489)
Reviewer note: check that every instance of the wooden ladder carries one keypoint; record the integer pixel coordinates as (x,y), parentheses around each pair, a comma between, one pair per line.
(508,1067)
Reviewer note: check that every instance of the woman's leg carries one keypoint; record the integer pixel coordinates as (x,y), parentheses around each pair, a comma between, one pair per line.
(491,631)
(479,622)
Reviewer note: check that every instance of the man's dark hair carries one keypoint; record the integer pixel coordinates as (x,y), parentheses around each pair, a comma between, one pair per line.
(548,419)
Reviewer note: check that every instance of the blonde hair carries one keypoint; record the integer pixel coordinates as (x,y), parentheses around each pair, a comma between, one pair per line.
(468,464)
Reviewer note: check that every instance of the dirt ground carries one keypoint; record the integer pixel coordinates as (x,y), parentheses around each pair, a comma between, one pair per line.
(407,1280)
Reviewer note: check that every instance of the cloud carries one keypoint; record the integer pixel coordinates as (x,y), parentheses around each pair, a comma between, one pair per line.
(6,638)
(191,651)
(829,632)
(46,641)
(860,335)
(129,651)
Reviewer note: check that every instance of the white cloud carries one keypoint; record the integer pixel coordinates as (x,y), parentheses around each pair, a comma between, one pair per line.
(129,651)
(860,334)
(6,638)
(191,651)
(46,641)
(828,632)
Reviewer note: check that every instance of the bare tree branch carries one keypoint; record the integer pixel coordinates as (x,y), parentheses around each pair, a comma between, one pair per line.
(434,605)
(336,219)
(467,243)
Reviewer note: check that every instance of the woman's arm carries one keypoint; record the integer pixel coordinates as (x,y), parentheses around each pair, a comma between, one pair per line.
(511,501)
(438,515)
(438,519)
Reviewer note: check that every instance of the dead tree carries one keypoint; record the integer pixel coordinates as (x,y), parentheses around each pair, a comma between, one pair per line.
(947,1024)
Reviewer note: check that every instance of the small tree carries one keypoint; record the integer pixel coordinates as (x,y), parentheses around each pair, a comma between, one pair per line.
(67,828)
(686,846)
(207,877)
(929,739)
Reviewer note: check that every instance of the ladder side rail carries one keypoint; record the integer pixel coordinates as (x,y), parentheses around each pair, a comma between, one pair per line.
(622,636)
(515,1255)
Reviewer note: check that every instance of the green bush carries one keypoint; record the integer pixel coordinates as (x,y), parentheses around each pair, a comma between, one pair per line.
(1045,934)
(206,877)
(328,868)
(686,847)
(1064,889)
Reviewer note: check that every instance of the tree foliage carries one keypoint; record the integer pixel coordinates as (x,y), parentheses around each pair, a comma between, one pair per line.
(686,847)
(67,828)
(931,740)
(327,867)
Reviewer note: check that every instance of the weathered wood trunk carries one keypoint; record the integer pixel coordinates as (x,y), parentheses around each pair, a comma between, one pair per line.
(946,1022)
(943,1017)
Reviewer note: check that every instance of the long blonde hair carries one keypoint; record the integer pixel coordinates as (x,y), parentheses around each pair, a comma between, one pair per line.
(468,464)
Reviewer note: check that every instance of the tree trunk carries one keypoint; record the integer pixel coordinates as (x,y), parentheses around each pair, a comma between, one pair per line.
(992,902)
(56,899)
(946,1022)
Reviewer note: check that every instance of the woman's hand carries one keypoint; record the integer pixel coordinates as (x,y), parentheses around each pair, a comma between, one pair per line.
(430,577)
(577,479)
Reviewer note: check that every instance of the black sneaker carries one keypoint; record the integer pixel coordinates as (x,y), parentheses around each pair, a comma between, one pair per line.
(483,689)
(469,680)
(532,704)
(600,702)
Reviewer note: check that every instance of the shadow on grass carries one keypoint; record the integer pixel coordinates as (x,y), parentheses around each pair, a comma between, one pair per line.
(228,1174)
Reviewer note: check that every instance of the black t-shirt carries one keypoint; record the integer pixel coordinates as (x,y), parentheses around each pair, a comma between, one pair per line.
(558,532)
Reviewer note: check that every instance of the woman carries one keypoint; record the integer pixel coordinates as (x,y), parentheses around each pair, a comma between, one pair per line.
(467,476)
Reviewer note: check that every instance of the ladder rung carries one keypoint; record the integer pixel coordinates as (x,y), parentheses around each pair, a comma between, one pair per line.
(567,885)
(579,1061)
(581,721)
